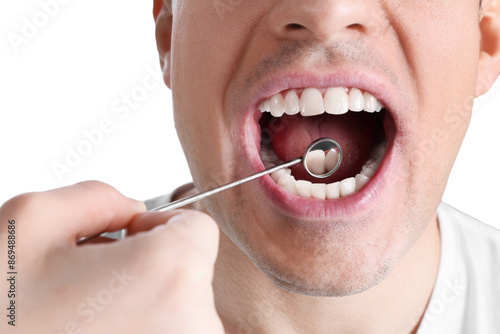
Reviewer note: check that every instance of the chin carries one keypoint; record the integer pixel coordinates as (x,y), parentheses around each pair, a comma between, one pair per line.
(326,266)
(314,258)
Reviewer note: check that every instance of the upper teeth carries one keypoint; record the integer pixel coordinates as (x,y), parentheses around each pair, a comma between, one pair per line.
(336,101)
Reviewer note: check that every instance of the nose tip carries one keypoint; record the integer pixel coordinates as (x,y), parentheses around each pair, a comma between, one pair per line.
(322,20)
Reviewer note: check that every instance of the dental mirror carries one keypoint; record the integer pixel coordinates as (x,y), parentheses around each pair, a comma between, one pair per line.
(321,159)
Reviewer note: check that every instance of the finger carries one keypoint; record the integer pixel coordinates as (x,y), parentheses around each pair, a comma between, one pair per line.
(95,208)
(177,230)
(70,213)
(146,221)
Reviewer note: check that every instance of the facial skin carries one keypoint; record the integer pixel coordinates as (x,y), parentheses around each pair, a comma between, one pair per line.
(424,53)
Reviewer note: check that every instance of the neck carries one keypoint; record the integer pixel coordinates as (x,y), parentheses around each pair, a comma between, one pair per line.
(248,302)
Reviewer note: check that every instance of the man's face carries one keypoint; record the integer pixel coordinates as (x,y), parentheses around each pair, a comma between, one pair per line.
(419,58)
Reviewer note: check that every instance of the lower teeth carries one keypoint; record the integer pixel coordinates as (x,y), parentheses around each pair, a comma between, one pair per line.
(302,188)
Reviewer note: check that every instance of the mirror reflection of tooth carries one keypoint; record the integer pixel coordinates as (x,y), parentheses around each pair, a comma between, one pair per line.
(361,181)
(316,161)
(303,188)
(318,190)
(347,186)
(331,160)
(333,190)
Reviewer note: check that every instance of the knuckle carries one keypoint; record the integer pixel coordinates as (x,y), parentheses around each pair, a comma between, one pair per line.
(101,192)
(24,210)
(93,184)
(100,189)
(25,204)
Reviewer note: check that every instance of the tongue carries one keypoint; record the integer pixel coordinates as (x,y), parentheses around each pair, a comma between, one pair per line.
(355,132)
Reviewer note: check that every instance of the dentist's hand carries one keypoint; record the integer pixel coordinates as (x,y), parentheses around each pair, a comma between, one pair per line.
(157,280)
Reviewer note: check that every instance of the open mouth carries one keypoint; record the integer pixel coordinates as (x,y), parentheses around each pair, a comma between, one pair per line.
(293,118)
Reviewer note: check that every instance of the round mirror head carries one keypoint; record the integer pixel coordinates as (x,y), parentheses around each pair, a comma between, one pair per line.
(323,158)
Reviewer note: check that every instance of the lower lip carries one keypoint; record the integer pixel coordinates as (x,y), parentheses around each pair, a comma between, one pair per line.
(309,208)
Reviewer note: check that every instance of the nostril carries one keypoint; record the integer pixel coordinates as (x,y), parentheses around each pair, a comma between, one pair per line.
(294,26)
(356,27)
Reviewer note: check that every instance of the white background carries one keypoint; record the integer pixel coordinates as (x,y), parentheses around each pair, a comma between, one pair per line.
(65,79)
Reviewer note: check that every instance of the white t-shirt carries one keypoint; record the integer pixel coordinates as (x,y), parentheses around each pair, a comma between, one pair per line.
(466,297)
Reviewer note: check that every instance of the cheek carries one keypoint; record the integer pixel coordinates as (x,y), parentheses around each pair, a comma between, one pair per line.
(440,41)
(442,55)
(447,88)
(206,51)
(197,89)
